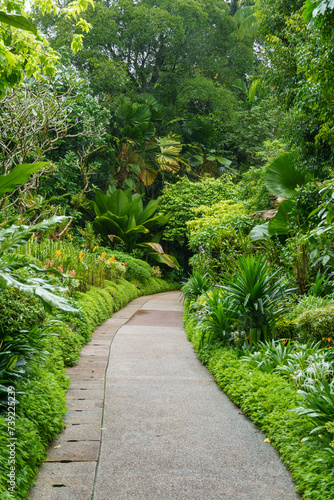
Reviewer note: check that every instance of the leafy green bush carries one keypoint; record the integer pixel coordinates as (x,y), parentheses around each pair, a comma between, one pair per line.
(285,328)
(19,311)
(252,189)
(217,236)
(309,302)
(137,269)
(317,324)
(68,341)
(180,198)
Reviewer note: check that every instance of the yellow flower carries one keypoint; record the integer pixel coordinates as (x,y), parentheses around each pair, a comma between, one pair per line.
(81,255)
(95,248)
(58,253)
(112,258)
(103,255)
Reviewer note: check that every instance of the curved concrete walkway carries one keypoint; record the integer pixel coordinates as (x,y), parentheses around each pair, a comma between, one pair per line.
(147,421)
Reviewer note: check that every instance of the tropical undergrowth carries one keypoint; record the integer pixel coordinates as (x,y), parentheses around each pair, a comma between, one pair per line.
(285,388)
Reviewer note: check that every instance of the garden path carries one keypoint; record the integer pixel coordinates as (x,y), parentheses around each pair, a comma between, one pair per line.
(147,421)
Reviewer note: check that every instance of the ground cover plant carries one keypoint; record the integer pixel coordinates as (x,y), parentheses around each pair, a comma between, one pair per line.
(265,383)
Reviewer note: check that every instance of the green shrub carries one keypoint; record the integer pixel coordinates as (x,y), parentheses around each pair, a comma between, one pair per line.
(19,311)
(29,452)
(285,328)
(309,302)
(180,198)
(317,324)
(68,341)
(43,402)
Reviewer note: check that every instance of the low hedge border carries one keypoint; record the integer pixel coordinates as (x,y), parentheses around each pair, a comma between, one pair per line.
(41,394)
(267,399)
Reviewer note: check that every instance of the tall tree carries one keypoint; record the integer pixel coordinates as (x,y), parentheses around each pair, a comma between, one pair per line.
(159,47)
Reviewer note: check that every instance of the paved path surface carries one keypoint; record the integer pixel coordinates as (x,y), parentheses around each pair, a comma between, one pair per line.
(147,421)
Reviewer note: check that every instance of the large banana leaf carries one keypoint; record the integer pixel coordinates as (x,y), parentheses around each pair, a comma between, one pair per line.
(148,176)
(160,256)
(108,226)
(284,176)
(148,211)
(169,153)
(164,258)
(18,176)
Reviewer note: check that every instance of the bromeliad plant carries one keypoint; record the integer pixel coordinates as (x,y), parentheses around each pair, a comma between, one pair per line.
(256,291)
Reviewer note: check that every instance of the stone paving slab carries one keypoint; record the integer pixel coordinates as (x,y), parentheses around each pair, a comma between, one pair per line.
(70,474)
(61,493)
(85,385)
(85,394)
(84,417)
(84,404)
(80,432)
(80,451)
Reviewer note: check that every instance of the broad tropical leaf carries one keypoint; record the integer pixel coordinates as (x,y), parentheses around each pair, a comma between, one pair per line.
(259,232)
(283,222)
(16,236)
(148,176)
(19,22)
(170,150)
(283,176)
(164,258)
(18,176)
(38,287)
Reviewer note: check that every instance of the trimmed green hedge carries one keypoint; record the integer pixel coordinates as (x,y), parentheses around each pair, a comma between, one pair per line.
(41,393)
(268,399)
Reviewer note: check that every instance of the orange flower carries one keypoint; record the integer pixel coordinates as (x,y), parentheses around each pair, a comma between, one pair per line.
(283,342)
(103,255)
(112,258)
(329,339)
